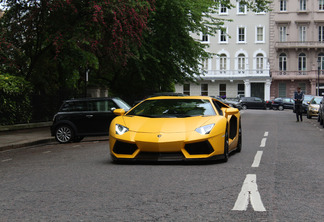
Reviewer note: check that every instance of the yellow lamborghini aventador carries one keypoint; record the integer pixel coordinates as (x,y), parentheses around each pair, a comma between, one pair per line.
(167,128)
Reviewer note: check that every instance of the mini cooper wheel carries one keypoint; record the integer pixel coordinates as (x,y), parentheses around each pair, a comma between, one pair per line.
(64,134)
(244,107)
(280,108)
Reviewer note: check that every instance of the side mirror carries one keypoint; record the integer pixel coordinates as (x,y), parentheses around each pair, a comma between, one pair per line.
(231,111)
(119,112)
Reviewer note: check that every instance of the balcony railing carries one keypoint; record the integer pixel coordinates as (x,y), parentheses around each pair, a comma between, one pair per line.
(299,44)
(236,73)
(296,74)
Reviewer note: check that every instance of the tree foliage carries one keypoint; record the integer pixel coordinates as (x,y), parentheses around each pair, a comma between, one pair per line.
(14,99)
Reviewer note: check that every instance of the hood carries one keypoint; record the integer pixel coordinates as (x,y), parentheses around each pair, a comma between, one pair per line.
(166,125)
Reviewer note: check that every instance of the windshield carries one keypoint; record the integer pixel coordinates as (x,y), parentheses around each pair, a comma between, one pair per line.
(173,108)
(317,100)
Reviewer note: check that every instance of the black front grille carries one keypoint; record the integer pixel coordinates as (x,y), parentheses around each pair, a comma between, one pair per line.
(199,148)
(124,148)
(168,156)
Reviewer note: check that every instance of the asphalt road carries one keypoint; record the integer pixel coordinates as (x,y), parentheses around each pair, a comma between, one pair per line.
(278,176)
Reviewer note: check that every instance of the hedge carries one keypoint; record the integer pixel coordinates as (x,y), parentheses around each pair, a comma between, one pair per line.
(15,105)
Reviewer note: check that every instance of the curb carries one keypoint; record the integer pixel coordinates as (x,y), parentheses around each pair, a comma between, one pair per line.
(21,145)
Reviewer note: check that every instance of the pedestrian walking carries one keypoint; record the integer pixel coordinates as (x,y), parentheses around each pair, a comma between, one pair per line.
(299,98)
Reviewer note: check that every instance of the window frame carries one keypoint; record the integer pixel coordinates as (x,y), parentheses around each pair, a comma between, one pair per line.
(239,35)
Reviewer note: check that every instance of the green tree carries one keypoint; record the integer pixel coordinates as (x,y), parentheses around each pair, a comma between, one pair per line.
(52,43)
(170,53)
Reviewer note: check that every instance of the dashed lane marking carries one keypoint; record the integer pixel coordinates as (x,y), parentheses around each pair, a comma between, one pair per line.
(6,160)
(257,159)
(263,142)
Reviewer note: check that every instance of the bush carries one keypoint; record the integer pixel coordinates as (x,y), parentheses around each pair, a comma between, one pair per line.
(15,106)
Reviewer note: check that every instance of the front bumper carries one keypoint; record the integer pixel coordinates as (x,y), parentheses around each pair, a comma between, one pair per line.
(168,147)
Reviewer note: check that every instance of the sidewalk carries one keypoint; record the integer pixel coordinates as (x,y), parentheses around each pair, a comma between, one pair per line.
(18,136)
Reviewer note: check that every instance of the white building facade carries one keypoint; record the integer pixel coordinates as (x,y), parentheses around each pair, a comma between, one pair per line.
(240,66)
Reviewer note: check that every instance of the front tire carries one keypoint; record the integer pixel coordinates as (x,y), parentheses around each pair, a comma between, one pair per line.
(280,108)
(64,134)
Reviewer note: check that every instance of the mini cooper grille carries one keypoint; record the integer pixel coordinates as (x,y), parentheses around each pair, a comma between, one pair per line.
(199,148)
(124,148)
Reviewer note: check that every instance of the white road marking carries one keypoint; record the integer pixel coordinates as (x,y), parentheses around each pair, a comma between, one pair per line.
(47,151)
(249,193)
(257,159)
(263,142)
(266,134)
(6,160)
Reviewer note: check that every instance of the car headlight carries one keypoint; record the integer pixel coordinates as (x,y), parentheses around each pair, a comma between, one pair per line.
(120,129)
(205,129)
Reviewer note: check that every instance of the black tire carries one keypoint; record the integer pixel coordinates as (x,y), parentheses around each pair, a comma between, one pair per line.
(244,107)
(280,108)
(226,154)
(64,134)
(239,143)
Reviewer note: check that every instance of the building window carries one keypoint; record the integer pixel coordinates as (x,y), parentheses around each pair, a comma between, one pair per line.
(259,63)
(204,89)
(283,5)
(321,58)
(241,89)
(223,10)
(204,37)
(186,89)
(321,5)
(222,90)
(282,89)
(302,5)
(241,8)
(223,35)
(282,33)
(222,63)
(241,36)
(321,33)
(302,64)
(282,64)
(204,65)
(302,33)
(260,34)
(241,63)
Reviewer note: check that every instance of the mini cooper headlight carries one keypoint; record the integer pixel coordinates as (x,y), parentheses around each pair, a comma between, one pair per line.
(120,130)
(205,129)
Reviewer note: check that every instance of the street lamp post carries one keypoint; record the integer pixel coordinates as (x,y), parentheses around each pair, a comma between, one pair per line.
(318,74)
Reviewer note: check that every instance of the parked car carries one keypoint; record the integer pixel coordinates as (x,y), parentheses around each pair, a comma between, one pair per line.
(313,106)
(252,103)
(78,118)
(232,102)
(282,103)
(321,112)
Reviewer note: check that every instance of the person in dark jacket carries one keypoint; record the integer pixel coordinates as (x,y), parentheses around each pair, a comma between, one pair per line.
(299,98)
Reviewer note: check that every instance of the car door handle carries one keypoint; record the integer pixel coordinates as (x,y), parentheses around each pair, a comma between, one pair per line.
(89,116)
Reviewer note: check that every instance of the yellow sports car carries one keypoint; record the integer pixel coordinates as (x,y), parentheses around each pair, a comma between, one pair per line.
(168,128)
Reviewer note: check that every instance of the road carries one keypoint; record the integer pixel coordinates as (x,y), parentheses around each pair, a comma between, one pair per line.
(278,176)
